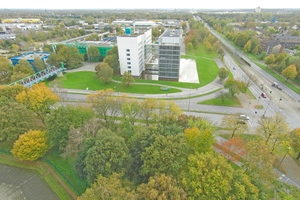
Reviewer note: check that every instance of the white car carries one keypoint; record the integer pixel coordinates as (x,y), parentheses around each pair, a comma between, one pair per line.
(245,117)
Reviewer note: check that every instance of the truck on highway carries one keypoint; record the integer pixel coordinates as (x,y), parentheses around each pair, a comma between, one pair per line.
(274,84)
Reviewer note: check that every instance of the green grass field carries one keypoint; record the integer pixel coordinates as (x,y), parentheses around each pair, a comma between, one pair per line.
(201,51)
(82,80)
(232,101)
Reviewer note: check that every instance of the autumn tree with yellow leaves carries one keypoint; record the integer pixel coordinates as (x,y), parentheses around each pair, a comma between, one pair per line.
(39,99)
(31,145)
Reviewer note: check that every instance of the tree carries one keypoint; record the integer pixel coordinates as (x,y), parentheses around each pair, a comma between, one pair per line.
(280,57)
(127,79)
(39,64)
(104,72)
(106,106)
(223,73)
(290,72)
(11,92)
(31,145)
(108,155)
(200,142)
(93,52)
(6,70)
(247,46)
(295,141)
(183,25)
(148,107)
(234,124)
(258,161)
(189,46)
(15,48)
(241,39)
(166,156)
(272,127)
(208,46)
(255,50)
(241,186)
(270,59)
(39,99)
(113,61)
(174,109)
(235,86)
(206,176)
(15,119)
(24,67)
(161,186)
(61,119)
(232,149)
(130,110)
(112,187)
(47,48)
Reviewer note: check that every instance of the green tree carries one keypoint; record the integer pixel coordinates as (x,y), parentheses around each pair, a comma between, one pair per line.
(6,70)
(295,141)
(235,86)
(161,186)
(270,59)
(127,79)
(31,145)
(108,155)
(93,52)
(112,187)
(255,50)
(11,92)
(130,110)
(241,39)
(39,64)
(200,142)
(15,48)
(113,62)
(247,46)
(290,72)
(59,121)
(183,25)
(15,119)
(24,67)
(189,46)
(104,72)
(47,48)
(148,107)
(223,73)
(206,176)
(167,155)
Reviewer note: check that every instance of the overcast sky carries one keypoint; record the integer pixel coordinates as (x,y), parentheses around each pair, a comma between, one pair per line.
(135,4)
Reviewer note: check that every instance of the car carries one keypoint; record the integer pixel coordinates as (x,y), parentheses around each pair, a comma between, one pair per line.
(274,84)
(233,68)
(263,95)
(245,117)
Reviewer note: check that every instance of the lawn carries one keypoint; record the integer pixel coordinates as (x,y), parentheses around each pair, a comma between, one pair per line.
(84,79)
(232,101)
(201,51)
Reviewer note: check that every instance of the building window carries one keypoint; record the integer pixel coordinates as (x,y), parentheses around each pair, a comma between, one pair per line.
(128,63)
(129,67)
(128,58)
(128,50)
(129,71)
(128,54)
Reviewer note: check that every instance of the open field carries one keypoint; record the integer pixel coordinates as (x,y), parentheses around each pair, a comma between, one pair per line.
(229,101)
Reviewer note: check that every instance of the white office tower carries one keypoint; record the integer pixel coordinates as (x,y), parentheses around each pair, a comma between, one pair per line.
(131,49)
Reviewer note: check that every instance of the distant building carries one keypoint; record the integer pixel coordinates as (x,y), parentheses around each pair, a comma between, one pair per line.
(258,9)
(83,47)
(30,58)
(20,20)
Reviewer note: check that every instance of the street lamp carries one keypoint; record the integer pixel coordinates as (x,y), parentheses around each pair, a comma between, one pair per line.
(284,157)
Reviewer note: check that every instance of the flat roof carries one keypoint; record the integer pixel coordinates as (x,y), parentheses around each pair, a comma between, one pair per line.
(141,32)
(31,56)
(172,33)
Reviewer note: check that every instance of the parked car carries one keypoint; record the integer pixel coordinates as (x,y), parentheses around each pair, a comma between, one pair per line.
(263,95)
(245,117)
(233,68)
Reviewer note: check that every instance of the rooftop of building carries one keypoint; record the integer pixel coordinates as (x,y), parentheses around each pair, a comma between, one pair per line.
(30,56)
(172,33)
(138,32)
(91,43)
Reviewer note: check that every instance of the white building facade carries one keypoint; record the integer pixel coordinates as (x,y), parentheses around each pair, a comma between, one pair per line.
(131,50)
